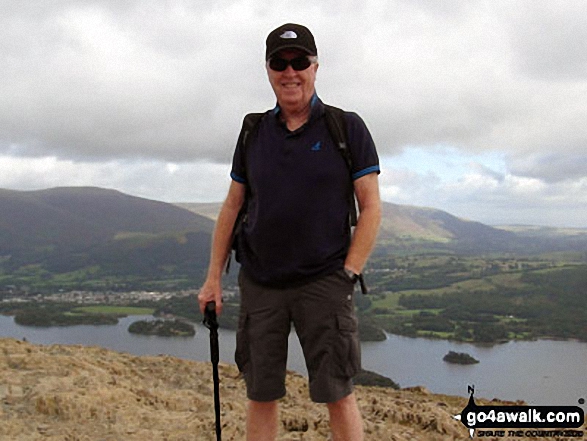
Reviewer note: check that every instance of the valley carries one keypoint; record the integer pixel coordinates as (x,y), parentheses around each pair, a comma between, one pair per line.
(432,274)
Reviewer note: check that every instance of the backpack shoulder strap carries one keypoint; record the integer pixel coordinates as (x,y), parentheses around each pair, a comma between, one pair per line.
(250,124)
(336,123)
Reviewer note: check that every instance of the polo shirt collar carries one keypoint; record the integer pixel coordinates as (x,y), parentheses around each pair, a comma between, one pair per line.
(316,105)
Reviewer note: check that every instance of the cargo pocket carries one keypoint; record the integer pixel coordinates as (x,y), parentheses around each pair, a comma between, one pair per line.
(347,349)
(242,352)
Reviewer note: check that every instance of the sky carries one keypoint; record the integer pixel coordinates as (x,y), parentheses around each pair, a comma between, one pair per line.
(477,108)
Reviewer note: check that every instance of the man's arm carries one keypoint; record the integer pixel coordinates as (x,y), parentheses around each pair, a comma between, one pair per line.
(221,243)
(365,234)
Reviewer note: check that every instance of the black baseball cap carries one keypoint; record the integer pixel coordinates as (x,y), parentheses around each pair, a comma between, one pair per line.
(290,36)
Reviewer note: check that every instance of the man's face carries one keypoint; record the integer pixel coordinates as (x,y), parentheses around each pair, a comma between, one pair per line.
(293,88)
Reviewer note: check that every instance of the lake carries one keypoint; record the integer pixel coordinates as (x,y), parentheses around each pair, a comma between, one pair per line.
(540,372)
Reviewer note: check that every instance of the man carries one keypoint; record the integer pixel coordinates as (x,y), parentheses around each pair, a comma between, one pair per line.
(299,262)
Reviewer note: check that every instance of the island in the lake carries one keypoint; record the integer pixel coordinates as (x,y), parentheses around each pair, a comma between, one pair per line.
(162,328)
(459,358)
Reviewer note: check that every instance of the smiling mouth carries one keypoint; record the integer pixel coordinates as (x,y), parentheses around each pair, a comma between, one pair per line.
(290,85)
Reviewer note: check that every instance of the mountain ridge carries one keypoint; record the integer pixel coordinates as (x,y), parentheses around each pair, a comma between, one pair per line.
(65,229)
(411,224)
(92,232)
(421,229)
(100,213)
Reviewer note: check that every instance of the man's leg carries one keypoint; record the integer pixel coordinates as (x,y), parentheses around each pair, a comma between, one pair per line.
(261,354)
(346,423)
(327,327)
(262,420)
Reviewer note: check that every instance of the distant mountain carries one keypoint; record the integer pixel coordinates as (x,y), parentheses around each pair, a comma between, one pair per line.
(78,216)
(405,225)
(64,229)
(94,233)
(541,231)
(409,226)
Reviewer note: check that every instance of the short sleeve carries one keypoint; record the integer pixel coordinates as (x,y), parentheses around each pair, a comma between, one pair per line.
(362,147)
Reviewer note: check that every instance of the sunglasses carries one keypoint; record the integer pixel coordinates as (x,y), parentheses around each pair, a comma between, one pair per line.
(280,64)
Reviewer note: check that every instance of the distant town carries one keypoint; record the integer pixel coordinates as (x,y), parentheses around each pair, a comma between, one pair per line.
(10,295)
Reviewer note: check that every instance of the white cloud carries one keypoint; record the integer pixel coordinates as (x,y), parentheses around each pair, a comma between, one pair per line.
(552,167)
(167,181)
(549,40)
(93,83)
(101,92)
(481,193)
(525,186)
(172,80)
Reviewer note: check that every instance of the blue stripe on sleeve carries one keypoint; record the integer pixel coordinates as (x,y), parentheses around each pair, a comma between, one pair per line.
(366,171)
(238,178)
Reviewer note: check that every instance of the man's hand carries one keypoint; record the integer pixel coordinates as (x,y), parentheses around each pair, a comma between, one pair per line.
(211,291)
(365,234)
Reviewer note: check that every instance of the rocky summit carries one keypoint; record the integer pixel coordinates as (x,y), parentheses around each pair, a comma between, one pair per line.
(77,393)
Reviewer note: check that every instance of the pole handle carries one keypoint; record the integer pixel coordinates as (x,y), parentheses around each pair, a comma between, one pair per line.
(210,308)
(210,320)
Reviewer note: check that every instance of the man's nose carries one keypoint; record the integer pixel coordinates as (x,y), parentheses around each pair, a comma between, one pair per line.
(289,69)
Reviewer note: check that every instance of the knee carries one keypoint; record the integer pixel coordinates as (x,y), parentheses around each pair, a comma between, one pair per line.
(343,404)
(262,406)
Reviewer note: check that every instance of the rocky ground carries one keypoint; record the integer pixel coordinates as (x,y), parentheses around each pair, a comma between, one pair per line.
(76,393)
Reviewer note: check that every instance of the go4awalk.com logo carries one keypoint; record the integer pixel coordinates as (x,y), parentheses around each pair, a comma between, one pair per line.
(521,421)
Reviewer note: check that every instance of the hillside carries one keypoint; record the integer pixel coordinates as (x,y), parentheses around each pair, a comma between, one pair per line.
(414,229)
(80,216)
(88,393)
(419,224)
(83,238)
(105,232)
(409,226)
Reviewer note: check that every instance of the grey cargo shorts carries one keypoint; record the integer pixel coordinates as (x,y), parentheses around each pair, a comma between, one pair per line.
(323,315)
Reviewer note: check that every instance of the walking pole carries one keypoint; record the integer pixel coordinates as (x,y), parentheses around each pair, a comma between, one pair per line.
(211,323)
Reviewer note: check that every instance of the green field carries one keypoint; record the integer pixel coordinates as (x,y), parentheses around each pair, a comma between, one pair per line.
(487,299)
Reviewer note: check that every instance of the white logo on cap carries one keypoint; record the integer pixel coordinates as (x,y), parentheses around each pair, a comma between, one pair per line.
(289,34)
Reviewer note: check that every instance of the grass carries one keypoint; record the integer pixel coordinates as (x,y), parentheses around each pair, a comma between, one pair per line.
(435,334)
(411,312)
(489,283)
(115,310)
(391,299)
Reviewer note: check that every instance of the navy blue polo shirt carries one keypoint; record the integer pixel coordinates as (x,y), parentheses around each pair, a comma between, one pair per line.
(297,226)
